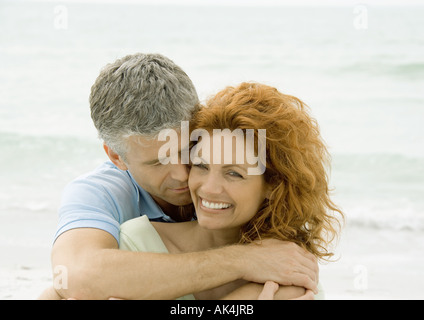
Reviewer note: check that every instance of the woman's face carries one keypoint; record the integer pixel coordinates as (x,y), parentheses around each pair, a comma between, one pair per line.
(224,195)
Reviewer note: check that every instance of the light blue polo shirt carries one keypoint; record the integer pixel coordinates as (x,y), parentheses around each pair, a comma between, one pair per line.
(104,199)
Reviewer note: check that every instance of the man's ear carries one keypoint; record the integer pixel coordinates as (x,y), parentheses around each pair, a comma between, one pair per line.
(115,158)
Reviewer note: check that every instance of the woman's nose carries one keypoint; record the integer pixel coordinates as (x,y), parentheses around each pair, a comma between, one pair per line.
(212,184)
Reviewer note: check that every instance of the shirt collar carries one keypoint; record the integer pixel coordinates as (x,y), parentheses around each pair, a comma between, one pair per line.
(147,205)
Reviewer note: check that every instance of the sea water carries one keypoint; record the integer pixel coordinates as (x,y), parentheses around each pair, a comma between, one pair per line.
(363,83)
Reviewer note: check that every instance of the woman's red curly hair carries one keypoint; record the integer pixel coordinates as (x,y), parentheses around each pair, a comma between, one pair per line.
(299,208)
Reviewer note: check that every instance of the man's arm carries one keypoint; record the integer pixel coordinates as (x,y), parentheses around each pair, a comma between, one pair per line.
(97,269)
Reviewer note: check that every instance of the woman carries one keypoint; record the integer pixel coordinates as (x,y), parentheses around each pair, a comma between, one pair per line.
(289,201)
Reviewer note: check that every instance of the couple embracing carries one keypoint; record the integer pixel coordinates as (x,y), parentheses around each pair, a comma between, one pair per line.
(214,227)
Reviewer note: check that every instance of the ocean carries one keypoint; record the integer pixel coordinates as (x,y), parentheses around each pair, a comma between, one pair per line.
(360,70)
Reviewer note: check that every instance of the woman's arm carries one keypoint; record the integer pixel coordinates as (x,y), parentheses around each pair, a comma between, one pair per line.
(269,291)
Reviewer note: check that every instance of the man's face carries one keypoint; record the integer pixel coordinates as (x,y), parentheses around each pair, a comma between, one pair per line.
(167,184)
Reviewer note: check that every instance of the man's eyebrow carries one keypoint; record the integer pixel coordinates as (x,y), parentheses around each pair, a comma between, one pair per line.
(155,161)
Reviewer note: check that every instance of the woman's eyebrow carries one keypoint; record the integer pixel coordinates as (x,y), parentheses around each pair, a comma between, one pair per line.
(200,160)
(235,165)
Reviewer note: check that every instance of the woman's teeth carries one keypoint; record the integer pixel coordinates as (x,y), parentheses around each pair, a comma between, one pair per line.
(215,205)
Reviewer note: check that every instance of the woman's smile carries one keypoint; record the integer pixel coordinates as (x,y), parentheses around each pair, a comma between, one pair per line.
(214,206)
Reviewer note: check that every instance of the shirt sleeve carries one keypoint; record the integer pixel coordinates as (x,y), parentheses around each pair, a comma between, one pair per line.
(101,200)
(140,235)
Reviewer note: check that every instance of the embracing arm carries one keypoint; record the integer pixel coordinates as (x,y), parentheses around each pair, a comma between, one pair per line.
(97,269)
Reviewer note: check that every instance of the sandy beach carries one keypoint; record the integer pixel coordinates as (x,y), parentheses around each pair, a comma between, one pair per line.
(376,264)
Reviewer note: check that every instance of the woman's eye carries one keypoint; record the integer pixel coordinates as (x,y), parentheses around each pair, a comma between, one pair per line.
(235,174)
(200,166)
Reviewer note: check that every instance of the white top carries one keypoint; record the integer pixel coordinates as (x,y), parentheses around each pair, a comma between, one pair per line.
(139,235)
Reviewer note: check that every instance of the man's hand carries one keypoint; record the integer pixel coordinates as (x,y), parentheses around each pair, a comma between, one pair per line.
(282,262)
(309,295)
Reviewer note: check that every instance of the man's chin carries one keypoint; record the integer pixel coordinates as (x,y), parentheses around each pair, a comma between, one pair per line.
(181,200)
(183,203)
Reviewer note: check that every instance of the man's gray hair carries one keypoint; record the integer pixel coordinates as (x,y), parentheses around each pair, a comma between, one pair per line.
(140,94)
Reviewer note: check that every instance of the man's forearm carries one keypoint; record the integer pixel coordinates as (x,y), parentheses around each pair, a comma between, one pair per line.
(142,275)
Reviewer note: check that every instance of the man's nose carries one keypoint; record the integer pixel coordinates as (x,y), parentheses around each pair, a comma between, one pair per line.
(180,172)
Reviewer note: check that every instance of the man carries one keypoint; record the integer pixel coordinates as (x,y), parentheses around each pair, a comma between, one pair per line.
(132,100)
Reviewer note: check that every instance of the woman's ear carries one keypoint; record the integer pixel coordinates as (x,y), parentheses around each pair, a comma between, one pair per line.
(115,158)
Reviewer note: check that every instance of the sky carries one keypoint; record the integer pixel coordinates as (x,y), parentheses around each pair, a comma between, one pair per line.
(253,2)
